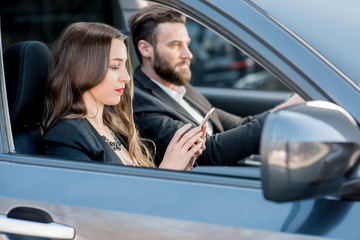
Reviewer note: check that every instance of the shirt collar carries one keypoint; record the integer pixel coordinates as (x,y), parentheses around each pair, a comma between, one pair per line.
(177,94)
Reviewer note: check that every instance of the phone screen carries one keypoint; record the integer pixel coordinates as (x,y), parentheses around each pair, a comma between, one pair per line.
(206,118)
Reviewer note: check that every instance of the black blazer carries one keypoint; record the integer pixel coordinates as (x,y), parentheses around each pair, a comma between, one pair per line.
(159,116)
(77,139)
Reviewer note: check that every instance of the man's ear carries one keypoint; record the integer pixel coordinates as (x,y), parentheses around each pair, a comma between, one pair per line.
(145,48)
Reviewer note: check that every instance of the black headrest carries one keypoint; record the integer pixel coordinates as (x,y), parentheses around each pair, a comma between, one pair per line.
(26,65)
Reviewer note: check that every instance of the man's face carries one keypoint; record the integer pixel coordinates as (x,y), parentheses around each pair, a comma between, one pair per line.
(171,53)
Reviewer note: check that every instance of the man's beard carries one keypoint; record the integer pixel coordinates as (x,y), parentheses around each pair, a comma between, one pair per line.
(168,72)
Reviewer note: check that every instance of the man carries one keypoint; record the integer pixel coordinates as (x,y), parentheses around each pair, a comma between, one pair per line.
(164,100)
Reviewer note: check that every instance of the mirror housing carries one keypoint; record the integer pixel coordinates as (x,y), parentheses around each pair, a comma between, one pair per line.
(308,150)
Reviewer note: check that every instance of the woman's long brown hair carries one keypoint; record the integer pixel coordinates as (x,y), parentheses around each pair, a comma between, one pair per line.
(79,62)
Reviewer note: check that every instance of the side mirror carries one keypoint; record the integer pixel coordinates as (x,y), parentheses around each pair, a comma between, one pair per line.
(308,150)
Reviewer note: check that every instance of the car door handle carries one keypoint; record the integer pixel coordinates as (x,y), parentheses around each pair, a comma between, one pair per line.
(35,229)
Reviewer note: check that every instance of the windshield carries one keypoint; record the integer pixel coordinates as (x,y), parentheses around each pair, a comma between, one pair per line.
(330,27)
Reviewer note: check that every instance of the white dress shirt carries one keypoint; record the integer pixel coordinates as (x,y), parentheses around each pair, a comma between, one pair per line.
(178,95)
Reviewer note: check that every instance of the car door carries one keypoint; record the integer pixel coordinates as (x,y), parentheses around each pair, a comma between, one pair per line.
(56,199)
(46,198)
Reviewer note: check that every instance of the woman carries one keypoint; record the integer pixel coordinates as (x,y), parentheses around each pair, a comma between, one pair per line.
(88,113)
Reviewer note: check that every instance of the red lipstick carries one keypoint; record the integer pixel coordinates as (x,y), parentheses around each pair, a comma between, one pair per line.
(120,90)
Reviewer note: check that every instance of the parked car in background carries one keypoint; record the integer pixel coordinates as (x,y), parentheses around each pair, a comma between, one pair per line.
(304,184)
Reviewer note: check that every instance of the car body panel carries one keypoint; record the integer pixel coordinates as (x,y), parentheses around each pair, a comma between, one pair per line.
(341,17)
(84,196)
(114,225)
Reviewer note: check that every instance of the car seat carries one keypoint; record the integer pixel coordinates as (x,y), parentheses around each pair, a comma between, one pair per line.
(26,65)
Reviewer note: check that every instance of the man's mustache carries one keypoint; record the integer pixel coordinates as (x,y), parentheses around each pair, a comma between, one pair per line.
(183,62)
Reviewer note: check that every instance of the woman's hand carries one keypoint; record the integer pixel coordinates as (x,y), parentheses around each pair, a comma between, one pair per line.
(199,152)
(184,148)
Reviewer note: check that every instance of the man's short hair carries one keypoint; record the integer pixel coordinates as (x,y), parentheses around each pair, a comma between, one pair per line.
(143,23)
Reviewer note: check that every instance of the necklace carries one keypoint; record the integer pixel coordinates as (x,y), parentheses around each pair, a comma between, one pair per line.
(115,145)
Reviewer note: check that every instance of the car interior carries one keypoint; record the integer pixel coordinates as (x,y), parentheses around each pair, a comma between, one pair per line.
(26,63)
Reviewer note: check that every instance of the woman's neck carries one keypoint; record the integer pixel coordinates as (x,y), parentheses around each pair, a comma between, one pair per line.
(94,109)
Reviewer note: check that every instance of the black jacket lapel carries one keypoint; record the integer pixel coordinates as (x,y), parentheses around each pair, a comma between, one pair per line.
(145,83)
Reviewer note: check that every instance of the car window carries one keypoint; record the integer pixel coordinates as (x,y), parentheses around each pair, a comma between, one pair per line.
(29,20)
(217,63)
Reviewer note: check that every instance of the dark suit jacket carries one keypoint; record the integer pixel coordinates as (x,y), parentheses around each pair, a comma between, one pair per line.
(77,139)
(159,116)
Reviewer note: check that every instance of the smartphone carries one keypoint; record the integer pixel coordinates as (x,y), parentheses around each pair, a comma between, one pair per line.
(206,118)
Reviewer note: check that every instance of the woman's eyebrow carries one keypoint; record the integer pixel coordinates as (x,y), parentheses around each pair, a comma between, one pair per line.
(119,59)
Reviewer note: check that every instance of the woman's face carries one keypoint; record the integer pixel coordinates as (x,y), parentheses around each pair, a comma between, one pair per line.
(110,89)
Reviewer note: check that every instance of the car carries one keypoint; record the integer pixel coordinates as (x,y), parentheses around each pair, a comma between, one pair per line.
(303,185)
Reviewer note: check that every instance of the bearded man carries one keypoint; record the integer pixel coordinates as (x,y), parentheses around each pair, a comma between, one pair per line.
(164,100)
